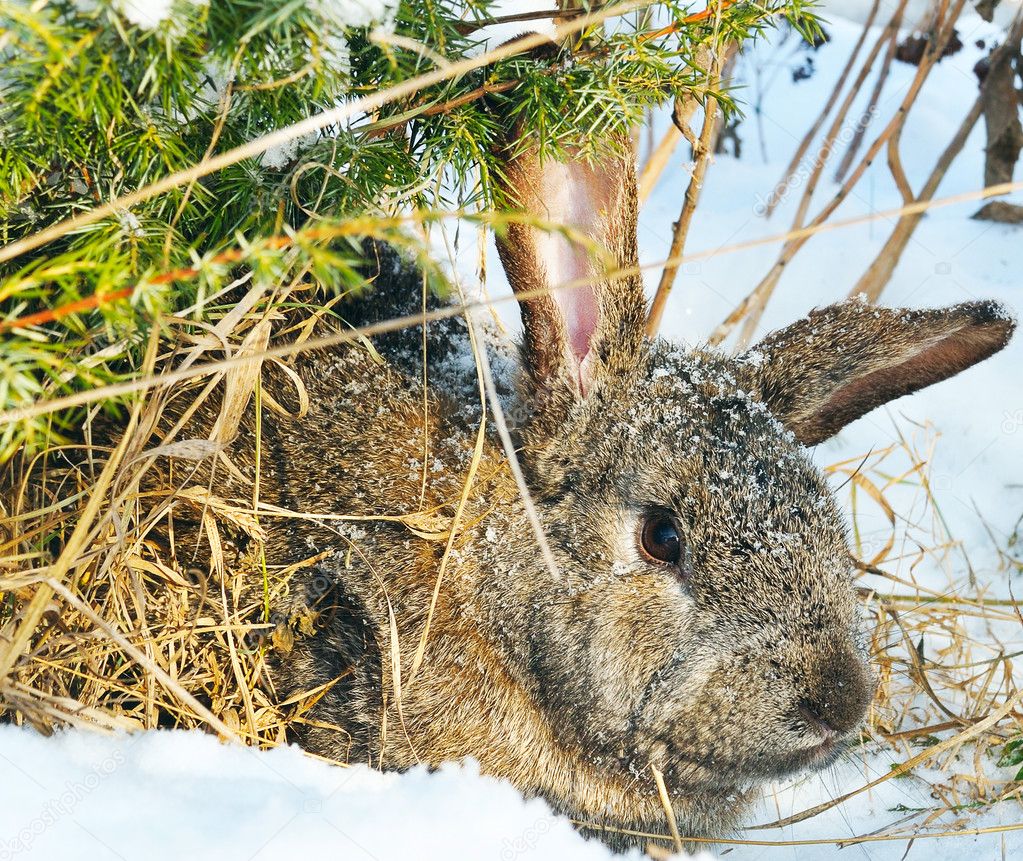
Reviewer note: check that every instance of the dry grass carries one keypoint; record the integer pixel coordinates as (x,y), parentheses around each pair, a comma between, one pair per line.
(132,636)
(943,644)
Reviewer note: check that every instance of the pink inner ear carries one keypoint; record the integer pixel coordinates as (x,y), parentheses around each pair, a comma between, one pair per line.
(582,316)
(579,307)
(577,198)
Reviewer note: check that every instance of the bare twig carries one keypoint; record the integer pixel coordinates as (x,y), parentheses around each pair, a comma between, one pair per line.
(894,156)
(804,145)
(669,812)
(658,161)
(892,31)
(824,152)
(880,271)
(703,151)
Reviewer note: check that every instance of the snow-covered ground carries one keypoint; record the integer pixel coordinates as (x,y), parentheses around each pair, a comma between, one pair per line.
(178,795)
(169,796)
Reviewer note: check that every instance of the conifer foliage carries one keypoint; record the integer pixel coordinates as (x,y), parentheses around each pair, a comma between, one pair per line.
(101,98)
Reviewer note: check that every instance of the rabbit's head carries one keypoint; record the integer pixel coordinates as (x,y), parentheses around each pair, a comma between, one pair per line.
(702,616)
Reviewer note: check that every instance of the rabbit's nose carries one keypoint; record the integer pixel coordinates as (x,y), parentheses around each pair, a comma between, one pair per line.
(839,695)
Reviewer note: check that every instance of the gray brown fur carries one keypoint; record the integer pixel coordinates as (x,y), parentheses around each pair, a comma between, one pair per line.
(719,672)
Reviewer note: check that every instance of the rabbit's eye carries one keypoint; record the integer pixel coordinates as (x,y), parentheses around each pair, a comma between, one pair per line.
(661,538)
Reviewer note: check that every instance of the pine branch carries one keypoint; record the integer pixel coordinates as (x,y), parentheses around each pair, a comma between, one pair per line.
(130,150)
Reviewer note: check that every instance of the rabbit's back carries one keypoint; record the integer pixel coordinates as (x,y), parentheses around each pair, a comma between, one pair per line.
(368,478)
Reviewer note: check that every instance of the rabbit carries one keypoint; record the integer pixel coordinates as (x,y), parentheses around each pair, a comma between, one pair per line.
(700,616)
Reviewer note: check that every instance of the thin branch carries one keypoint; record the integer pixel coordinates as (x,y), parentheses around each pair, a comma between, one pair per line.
(811,133)
(702,155)
(682,113)
(880,271)
(467,27)
(894,156)
(695,18)
(756,301)
(657,162)
(892,29)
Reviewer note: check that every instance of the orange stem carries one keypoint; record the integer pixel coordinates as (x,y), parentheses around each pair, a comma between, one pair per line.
(695,18)
(51,314)
(89,302)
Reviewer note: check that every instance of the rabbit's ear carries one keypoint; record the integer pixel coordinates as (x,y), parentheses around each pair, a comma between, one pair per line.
(840,362)
(577,335)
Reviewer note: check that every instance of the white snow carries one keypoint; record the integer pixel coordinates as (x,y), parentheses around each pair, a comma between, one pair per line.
(338,15)
(130,223)
(147,14)
(176,795)
(357,13)
(279,156)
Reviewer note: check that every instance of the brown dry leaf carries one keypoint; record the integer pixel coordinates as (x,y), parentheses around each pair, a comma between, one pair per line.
(874,493)
(216,545)
(300,391)
(240,382)
(283,638)
(232,719)
(306,621)
(137,563)
(430,527)
(240,517)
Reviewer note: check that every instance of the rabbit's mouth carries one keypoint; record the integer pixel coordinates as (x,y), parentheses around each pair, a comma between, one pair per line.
(826,752)
(818,754)
(817,751)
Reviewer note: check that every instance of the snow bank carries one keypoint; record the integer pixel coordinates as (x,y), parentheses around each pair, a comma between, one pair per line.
(176,795)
